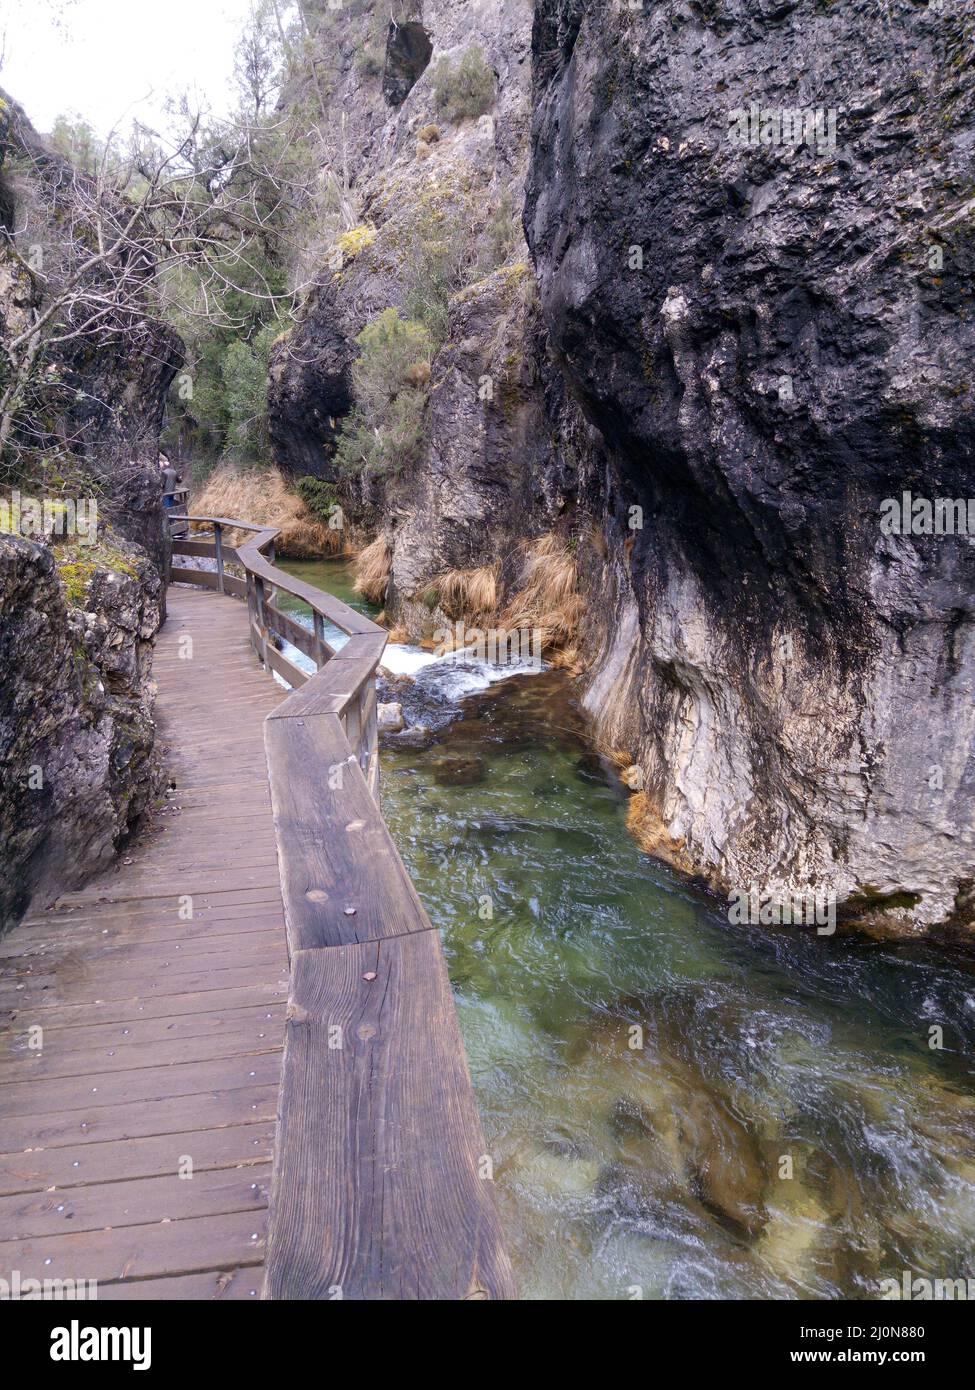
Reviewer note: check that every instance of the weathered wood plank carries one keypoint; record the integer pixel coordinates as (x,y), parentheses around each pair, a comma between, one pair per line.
(60,1045)
(233,1146)
(342,879)
(288,671)
(214,1192)
(227,1285)
(176,1247)
(92,1099)
(138,1120)
(132,1010)
(377,1188)
(60,1059)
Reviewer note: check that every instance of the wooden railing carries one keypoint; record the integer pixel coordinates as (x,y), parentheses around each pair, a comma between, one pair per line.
(381,1188)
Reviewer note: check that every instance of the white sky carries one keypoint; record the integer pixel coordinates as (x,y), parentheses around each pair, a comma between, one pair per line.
(108,56)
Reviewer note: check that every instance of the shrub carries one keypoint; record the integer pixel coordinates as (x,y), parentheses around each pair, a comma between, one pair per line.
(383,432)
(435,265)
(466,89)
(369,62)
(320,497)
(502,234)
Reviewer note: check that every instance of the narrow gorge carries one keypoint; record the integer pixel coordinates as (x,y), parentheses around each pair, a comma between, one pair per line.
(571,405)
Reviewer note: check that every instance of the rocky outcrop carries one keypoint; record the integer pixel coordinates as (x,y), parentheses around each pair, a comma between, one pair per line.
(76,733)
(77,612)
(103,407)
(429,188)
(408,169)
(750,228)
(772,338)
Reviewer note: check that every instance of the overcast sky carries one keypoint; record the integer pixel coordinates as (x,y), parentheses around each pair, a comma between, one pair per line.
(116,58)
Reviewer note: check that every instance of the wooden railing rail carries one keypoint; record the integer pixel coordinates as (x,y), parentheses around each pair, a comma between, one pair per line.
(381,1188)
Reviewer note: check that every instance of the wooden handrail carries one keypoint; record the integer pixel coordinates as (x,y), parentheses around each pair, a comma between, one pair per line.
(380,1187)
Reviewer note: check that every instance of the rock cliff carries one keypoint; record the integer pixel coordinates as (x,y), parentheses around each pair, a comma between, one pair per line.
(746,325)
(772,337)
(78,612)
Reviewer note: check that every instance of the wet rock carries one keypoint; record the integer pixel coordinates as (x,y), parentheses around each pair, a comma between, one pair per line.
(418,736)
(723,1163)
(390,718)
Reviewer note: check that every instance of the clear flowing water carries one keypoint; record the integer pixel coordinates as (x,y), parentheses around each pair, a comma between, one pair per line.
(675,1107)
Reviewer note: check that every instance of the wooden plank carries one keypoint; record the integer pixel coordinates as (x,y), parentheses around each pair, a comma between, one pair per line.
(92,1100)
(131,1010)
(60,1043)
(342,879)
(235,1145)
(207,579)
(38,995)
(225,1286)
(336,684)
(377,1188)
(214,1192)
(278,662)
(292,631)
(76,1129)
(132,962)
(64,1057)
(182,1247)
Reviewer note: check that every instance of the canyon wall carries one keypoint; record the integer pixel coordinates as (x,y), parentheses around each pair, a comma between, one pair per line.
(77,613)
(789,345)
(725,348)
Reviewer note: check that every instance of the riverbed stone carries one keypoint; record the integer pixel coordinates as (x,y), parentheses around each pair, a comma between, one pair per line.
(390,718)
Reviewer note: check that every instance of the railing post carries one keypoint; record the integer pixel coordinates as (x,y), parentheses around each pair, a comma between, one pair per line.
(218,547)
(369,757)
(319,624)
(261,618)
(353,726)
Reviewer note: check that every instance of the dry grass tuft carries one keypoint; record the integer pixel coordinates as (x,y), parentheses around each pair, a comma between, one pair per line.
(548,598)
(619,757)
(373,567)
(468,593)
(265,498)
(648,829)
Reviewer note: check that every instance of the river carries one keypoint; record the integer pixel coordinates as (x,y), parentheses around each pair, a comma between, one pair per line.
(675,1107)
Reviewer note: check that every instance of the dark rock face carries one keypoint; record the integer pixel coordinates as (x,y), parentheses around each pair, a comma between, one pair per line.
(310,389)
(773,338)
(408,50)
(76,733)
(490,470)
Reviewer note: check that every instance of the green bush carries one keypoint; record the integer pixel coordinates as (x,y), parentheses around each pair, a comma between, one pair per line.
(244,372)
(465,89)
(320,497)
(384,431)
(368,62)
(502,234)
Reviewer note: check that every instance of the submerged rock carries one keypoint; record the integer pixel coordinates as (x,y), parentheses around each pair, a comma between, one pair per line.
(459,769)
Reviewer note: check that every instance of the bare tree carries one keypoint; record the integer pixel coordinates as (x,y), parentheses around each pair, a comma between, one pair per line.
(97,256)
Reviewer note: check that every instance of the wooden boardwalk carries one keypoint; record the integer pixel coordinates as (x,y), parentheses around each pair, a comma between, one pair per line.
(160,992)
(175,1111)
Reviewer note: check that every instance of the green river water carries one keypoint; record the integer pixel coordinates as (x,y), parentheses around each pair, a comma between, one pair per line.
(776,1127)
